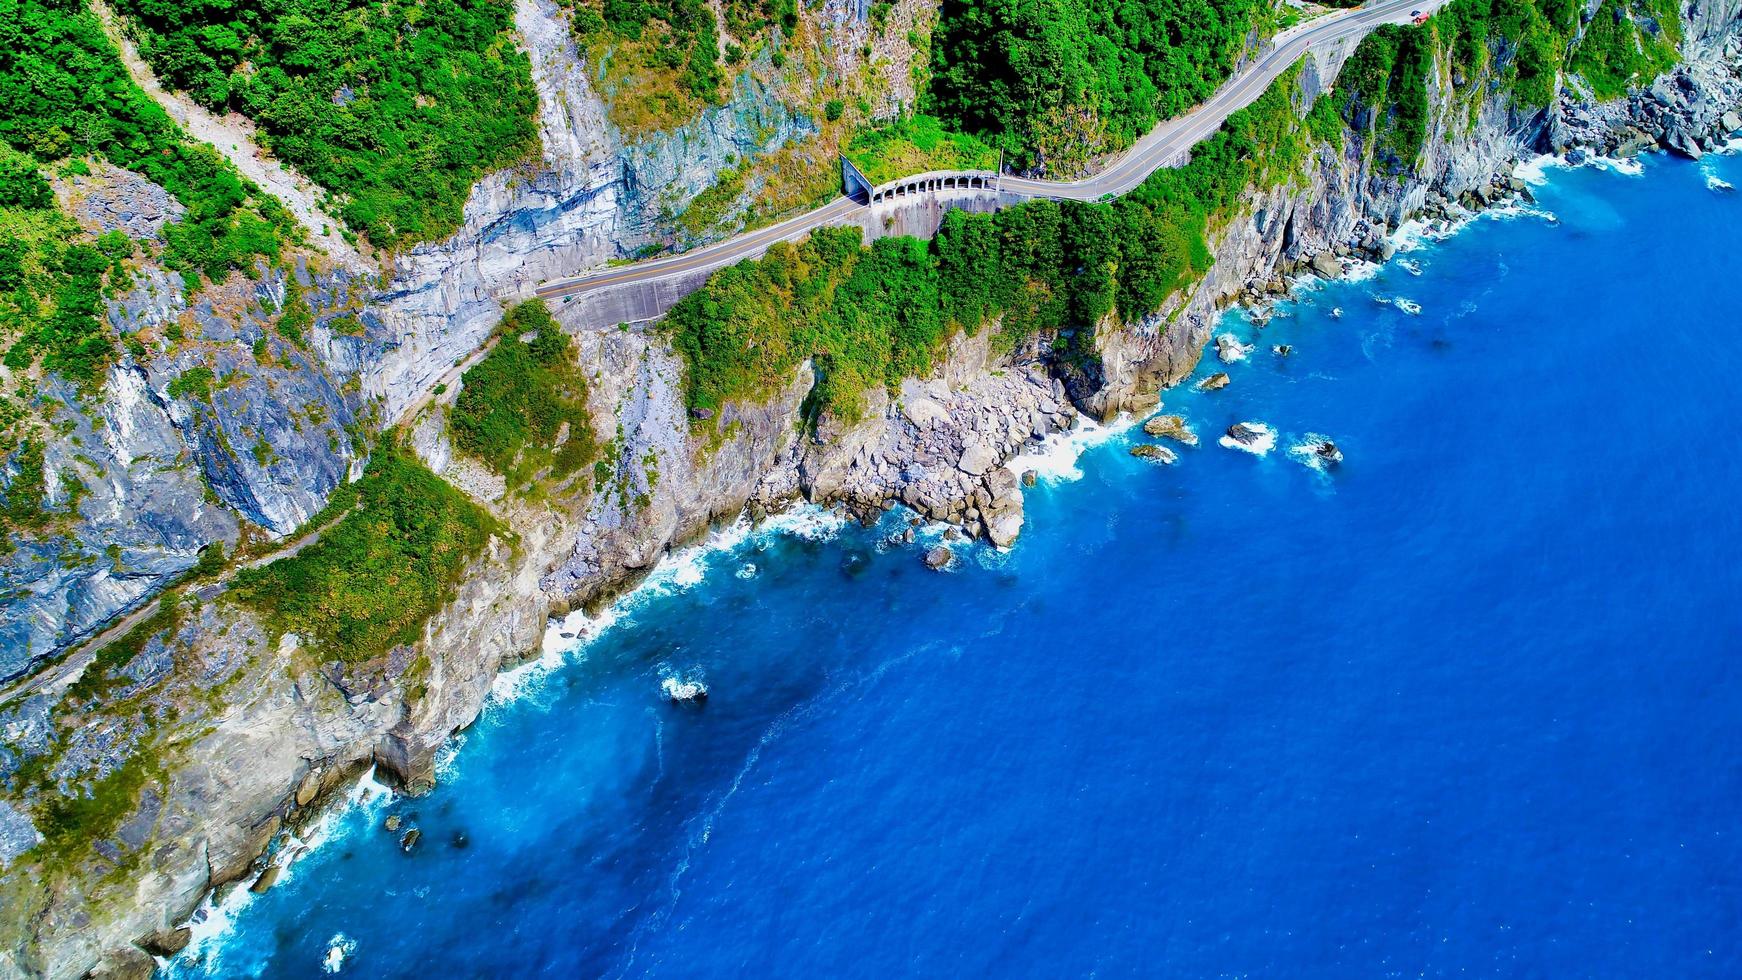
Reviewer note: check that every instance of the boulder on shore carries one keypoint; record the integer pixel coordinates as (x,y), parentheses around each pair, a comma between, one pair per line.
(1230,349)
(126,963)
(267,879)
(167,942)
(1327,266)
(1172,427)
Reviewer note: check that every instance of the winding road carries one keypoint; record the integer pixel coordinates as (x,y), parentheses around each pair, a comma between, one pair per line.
(1164,145)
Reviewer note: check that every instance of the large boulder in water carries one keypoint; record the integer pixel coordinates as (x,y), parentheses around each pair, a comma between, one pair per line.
(1159,454)
(938,558)
(1172,427)
(1214,382)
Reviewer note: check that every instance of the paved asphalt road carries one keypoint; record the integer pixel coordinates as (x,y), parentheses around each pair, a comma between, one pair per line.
(1161,146)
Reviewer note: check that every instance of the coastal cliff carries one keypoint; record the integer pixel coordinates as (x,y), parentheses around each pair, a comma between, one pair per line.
(243,731)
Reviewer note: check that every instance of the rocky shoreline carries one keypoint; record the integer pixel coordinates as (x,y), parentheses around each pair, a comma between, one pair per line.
(287,739)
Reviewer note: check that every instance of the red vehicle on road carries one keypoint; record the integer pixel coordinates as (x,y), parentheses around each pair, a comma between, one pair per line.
(1417,17)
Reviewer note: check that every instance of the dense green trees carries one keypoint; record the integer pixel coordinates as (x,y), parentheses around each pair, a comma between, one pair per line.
(64,93)
(377,575)
(1383,89)
(514,403)
(396,106)
(872,316)
(1052,81)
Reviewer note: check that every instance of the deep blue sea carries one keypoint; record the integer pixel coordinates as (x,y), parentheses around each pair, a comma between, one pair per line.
(1470,704)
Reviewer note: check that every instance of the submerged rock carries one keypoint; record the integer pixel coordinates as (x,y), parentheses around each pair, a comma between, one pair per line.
(1150,451)
(676,689)
(1172,427)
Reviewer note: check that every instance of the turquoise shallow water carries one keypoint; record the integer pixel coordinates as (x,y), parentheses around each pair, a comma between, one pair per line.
(1468,705)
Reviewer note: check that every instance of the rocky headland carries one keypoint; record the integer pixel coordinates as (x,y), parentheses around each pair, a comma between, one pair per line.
(246,733)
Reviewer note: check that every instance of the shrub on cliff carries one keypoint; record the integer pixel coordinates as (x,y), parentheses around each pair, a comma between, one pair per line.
(376,575)
(515,402)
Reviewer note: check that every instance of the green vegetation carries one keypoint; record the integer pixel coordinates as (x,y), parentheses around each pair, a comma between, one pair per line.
(915,144)
(64,93)
(1627,43)
(1385,86)
(23,510)
(515,402)
(193,383)
(872,316)
(1056,81)
(382,570)
(396,106)
(1534,33)
(663,57)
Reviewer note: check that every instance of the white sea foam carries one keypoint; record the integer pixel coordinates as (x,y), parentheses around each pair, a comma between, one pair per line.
(211,924)
(1306,452)
(338,947)
(1261,446)
(1408,306)
(746,570)
(1054,458)
(680,688)
(1410,266)
(1715,182)
(1535,171)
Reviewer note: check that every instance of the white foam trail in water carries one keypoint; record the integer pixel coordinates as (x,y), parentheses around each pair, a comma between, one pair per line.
(1407,305)
(1054,458)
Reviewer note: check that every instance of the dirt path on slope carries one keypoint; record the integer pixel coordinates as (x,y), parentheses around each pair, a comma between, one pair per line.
(233,136)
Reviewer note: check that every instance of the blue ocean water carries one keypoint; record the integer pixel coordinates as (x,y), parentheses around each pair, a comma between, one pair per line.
(1470,704)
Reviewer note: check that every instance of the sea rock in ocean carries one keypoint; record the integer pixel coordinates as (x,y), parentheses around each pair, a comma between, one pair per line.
(1230,349)
(392,823)
(938,558)
(409,841)
(681,690)
(1246,433)
(1172,427)
(1253,437)
(1282,350)
(1150,451)
(1214,382)
(1030,478)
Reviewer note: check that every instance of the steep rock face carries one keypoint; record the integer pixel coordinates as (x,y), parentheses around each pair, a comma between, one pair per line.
(596,197)
(263,718)
(276,435)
